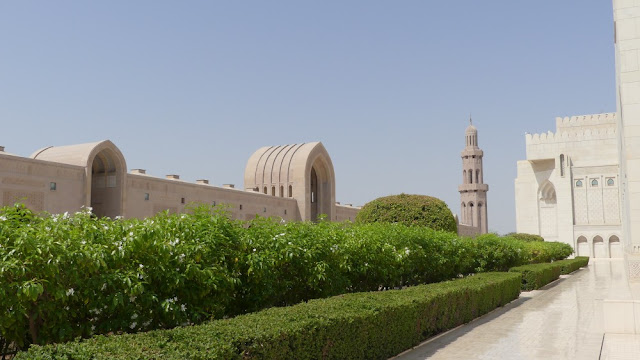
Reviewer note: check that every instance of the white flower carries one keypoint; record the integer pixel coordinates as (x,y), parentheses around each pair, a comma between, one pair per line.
(3,218)
(134,316)
(132,299)
(141,266)
(254,250)
(93,328)
(183,307)
(70,292)
(133,325)
(181,257)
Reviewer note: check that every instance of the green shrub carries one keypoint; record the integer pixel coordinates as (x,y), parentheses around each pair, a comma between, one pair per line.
(65,275)
(543,252)
(525,236)
(535,276)
(72,275)
(571,265)
(495,253)
(411,210)
(374,325)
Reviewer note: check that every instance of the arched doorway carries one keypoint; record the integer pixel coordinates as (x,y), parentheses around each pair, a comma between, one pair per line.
(314,194)
(599,250)
(583,247)
(615,248)
(548,211)
(107,183)
(320,189)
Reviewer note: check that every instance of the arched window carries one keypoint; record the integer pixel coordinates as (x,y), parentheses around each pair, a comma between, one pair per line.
(464,176)
(579,183)
(610,182)
(471,222)
(273,191)
(478,176)
(290,191)
(561,164)
(470,176)
(463,213)
(265,189)
(282,191)
(594,182)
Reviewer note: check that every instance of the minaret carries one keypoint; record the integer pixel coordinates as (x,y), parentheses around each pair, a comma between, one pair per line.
(473,191)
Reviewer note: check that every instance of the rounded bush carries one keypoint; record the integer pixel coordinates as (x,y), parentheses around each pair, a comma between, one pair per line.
(411,210)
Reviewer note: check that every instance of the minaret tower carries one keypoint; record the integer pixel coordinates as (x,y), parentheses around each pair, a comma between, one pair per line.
(473,191)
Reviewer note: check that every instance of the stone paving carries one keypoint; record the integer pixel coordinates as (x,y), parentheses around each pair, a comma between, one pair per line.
(560,321)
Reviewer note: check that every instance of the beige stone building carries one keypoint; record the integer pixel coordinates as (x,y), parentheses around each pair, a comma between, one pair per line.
(292,182)
(568,188)
(581,183)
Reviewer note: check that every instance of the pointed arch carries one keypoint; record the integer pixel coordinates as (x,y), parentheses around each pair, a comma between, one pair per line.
(547,210)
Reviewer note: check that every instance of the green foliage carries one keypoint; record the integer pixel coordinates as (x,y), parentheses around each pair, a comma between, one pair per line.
(543,252)
(571,265)
(525,236)
(73,275)
(411,210)
(535,276)
(65,275)
(374,325)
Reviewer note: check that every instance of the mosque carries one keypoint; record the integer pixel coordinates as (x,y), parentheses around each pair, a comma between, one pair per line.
(581,183)
(292,182)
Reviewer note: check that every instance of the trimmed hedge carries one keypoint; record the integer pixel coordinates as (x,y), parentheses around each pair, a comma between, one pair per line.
(410,210)
(535,276)
(374,325)
(571,265)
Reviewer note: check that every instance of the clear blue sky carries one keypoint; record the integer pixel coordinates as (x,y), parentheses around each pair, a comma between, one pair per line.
(195,87)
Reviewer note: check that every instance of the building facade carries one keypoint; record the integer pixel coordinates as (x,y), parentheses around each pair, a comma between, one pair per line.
(293,182)
(568,189)
(473,190)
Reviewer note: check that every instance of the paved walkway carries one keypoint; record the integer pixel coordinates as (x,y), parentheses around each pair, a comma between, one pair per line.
(561,321)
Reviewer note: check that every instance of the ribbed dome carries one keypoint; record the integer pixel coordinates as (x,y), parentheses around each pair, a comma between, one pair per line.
(471,130)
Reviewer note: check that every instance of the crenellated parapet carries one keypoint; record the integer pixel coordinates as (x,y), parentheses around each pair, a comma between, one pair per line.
(593,120)
(570,135)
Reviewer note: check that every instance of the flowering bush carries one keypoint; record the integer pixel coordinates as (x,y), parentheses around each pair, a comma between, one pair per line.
(69,275)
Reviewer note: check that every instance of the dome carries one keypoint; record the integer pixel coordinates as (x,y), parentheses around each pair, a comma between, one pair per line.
(471,130)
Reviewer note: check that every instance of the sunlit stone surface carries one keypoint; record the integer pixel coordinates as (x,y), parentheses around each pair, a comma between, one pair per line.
(561,321)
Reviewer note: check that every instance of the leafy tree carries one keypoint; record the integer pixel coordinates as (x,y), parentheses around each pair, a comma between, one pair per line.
(411,210)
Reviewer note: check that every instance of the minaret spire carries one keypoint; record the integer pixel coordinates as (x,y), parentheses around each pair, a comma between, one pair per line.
(473,190)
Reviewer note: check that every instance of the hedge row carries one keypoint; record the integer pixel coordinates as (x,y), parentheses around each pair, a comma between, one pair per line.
(373,325)
(535,276)
(72,275)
